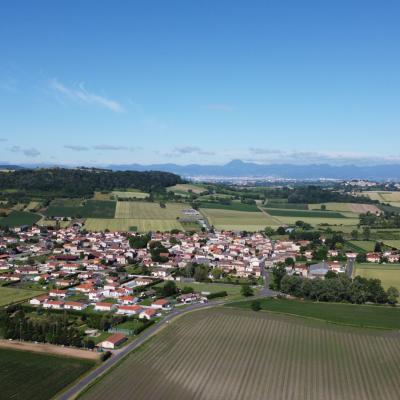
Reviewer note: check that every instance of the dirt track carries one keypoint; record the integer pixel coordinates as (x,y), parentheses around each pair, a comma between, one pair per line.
(49,349)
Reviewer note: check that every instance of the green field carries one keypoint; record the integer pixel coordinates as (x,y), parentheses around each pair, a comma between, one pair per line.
(18,218)
(287,206)
(392,243)
(233,291)
(234,354)
(127,224)
(91,209)
(142,210)
(25,375)
(389,274)
(238,220)
(321,221)
(303,213)
(379,317)
(129,195)
(231,207)
(10,295)
(186,188)
(365,245)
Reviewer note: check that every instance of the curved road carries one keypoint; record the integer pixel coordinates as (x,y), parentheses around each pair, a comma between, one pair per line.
(73,391)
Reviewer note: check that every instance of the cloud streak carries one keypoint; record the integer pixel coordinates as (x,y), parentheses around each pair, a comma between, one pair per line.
(76,147)
(192,150)
(27,151)
(81,95)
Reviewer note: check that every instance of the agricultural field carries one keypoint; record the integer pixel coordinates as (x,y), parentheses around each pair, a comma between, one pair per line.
(234,206)
(75,209)
(233,291)
(389,274)
(142,210)
(132,224)
(286,206)
(235,354)
(238,220)
(303,213)
(347,207)
(33,205)
(18,218)
(365,245)
(392,243)
(117,194)
(376,317)
(321,221)
(186,188)
(27,375)
(10,295)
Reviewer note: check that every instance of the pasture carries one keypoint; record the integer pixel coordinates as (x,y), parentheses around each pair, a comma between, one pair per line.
(18,218)
(238,220)
(233,291)
(224,353)
(10,295)
(320,221)
(27,375)
(298,214)
(389,274)
(234,206)
(365,245)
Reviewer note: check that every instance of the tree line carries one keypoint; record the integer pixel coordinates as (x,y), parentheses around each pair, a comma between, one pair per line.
(334,288)
(83,182)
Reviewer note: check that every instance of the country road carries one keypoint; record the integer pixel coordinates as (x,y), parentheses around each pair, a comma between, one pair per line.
(118,355)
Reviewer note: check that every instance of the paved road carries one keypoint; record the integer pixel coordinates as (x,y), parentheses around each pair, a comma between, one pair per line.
(72,392)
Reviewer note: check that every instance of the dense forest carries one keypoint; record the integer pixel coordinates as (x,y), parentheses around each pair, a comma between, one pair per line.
(82,182)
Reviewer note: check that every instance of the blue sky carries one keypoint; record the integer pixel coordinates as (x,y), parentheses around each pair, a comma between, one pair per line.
(100,82)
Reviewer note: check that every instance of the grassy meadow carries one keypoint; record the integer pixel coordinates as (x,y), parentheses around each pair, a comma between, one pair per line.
(10,295)
(389,274)
(18,218)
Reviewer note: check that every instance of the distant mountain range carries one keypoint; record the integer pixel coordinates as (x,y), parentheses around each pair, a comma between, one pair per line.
(238,168)
(241,169)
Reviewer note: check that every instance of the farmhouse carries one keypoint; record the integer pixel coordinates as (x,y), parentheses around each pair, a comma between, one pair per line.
(113,341)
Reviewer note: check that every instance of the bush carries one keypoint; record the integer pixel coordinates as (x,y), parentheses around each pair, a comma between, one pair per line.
(105,356)
(256,305)
(214,295)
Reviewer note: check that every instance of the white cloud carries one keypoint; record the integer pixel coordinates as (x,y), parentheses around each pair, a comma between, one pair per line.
(80,94)
(28,151)
(192,150)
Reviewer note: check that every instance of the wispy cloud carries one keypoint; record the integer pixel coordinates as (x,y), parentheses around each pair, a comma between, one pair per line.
(28,151)
(76,147)
(192,150)
(111,147)
(220,107)
(80,94)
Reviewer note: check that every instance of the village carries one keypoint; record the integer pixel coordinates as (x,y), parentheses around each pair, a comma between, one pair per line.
(122,273)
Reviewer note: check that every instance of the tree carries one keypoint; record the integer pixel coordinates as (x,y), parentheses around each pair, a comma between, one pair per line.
(366,233)
(187,289)
(330,275)
(216,273)
(255,305)
(392,295)
(201,273)
(169,289)
(269,231)
(278,272)
(247,291)
(281,230)
(323,207)
(354,234)
(378,247)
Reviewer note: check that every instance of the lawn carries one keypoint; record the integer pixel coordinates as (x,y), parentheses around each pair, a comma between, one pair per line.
(238,220)
(91,209)
(26,375)
(236,354)
(379,317)
(389,274)
(18,218)
(10,295)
